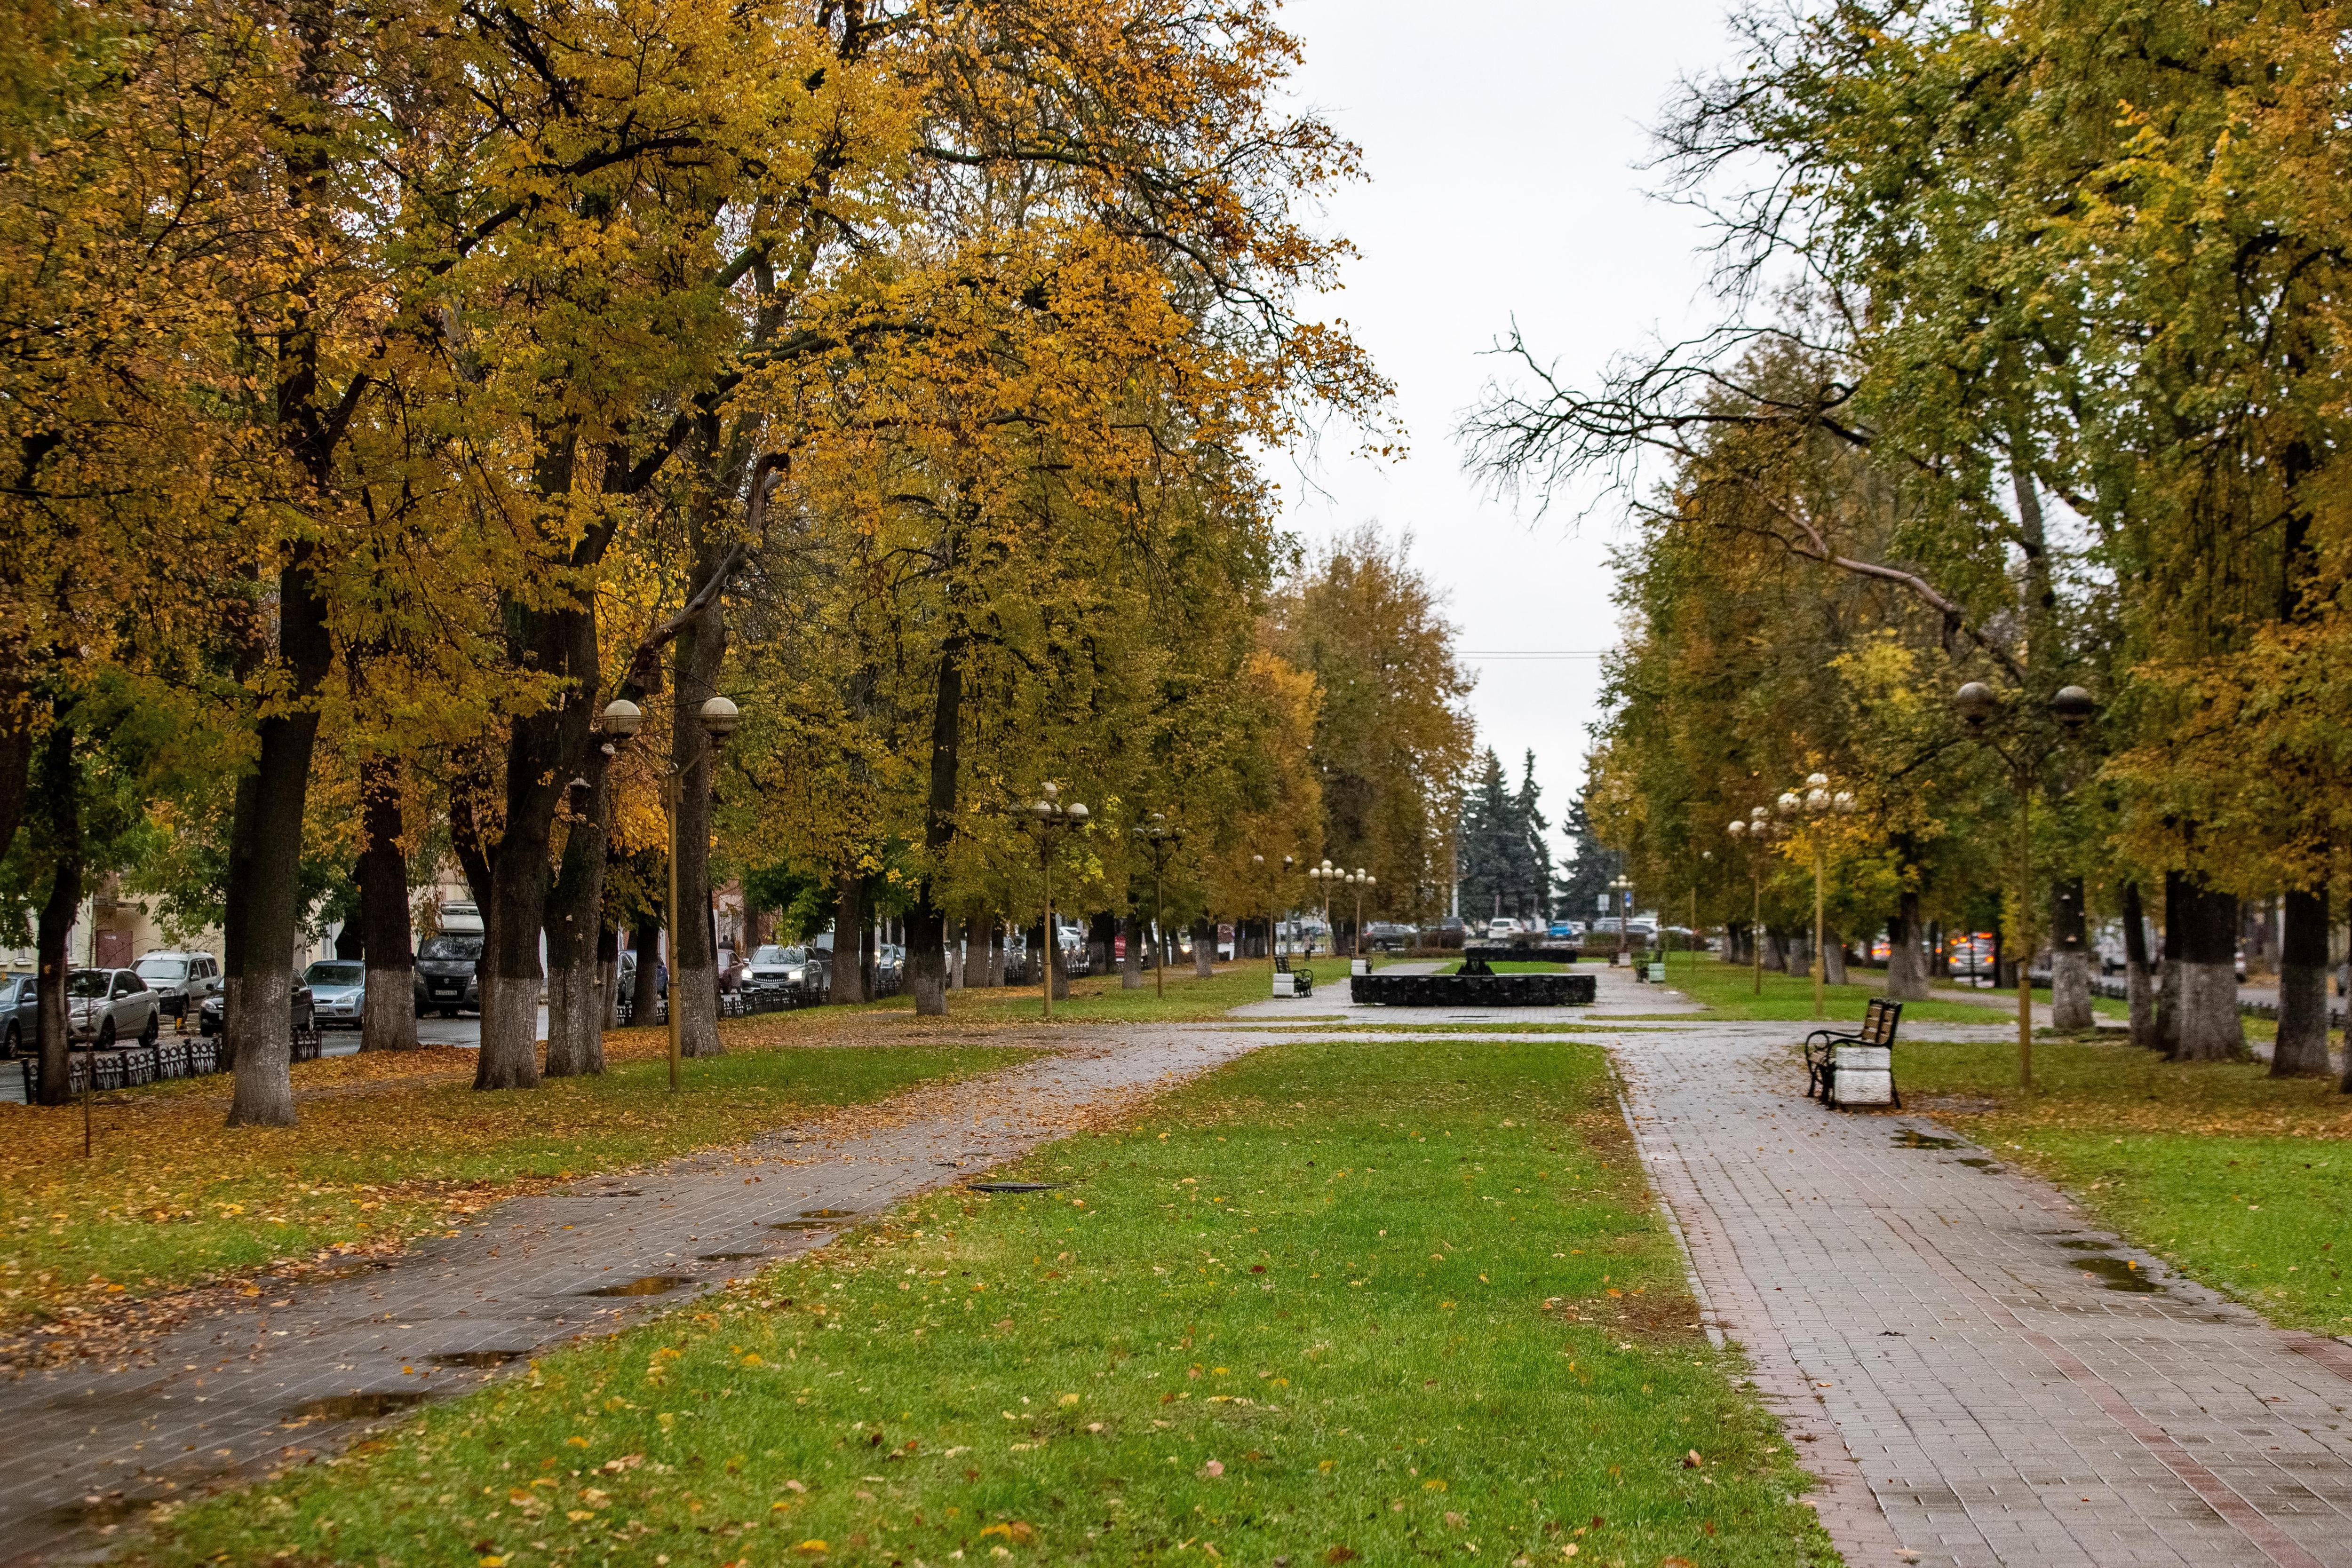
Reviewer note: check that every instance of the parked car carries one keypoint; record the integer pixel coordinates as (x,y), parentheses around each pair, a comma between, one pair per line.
(446,975)
(338,992)
(104,1006)
(301,1007)
(1388,935)
(784,969)
(19,1026)
(1502,926)
(628,976)
(1566,930)
(181,981)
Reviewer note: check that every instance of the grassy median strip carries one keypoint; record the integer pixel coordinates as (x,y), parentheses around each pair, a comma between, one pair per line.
(1336,1302)
(1729,991)
(2239,1179)
(391,1142)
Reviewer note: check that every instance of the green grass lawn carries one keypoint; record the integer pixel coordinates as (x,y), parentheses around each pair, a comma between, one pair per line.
(1731,991)
(390,1143)
(2241,1180)
(1325,1306)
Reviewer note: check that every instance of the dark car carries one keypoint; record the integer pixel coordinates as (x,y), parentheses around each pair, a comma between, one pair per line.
(792,971)
(628,976)
(300,1005)
(445,974)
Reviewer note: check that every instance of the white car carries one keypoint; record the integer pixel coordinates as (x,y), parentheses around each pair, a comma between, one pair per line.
(1502,926)
(104,1006)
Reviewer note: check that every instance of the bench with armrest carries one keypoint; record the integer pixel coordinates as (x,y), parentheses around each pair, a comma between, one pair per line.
(1290,982)
(1855,1069)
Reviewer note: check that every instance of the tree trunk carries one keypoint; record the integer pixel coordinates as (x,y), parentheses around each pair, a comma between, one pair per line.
(575,928)
(2211,1027)
(2302,1048)
(1735,932)
(351,936)
(2070,959)
(848,929)
(266,855)
(16,748)
(992,968)
(1940,957)
(958,940)
(1205,950)
(2139,985)
(645,987)
(60,788)
(1776,951)
(2168,990)
(1130,966)
(1102,930)
(1832,961)
(1907,969)
(694,957)
(388,1007)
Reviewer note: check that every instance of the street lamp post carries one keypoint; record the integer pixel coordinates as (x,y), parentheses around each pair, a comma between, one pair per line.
(718,718)
(1162,841)
(1754,829)
(1707,857)
(1817,804)
(1623,888)
(1360,879)
(1324,876)
(1978,704)
(1052,819)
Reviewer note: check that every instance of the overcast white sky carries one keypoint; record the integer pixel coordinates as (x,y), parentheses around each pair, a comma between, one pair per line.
(1502,141)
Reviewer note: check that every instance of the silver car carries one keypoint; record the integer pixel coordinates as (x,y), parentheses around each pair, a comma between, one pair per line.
(104,1006)
(181,981)
(338,992)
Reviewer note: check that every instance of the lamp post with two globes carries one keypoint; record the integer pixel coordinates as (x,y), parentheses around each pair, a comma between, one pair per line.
(1755,829)
(1052,819)
(2071,708)
(1623,888)
(718,717)
(1160,840)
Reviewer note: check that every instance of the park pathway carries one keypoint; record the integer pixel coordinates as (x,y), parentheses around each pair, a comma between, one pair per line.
(298,1368)
(1944,1340)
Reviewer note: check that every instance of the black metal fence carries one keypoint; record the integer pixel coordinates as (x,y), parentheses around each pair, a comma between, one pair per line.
(128,1067)
(731,1004)
(1473,990)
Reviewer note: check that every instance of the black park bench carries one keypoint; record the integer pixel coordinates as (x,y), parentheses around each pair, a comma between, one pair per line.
(1857,1068)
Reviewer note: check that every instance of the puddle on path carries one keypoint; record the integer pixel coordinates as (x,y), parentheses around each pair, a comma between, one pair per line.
(649,1285)
(353,1406)
(802,1225)
(2087,1246)
(726,1257)
(2120,1274)
(1012,1186)
(1912,1138)
(1979,1163)
(828,1214)
(477,1357)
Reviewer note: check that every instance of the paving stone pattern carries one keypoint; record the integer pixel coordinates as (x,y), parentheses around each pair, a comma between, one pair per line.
(1923,1322)
(83,1447)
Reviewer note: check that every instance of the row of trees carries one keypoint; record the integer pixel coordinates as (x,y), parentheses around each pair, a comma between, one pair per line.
(390,386)
(2033,376)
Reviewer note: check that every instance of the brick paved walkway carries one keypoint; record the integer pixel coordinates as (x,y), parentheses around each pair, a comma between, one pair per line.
(82,1447)
(1922,1322)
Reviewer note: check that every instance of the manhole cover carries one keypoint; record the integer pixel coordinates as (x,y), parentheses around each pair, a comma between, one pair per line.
(650,1285)
(1012,1186)
(354,1406)
(477,1357)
